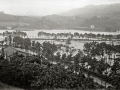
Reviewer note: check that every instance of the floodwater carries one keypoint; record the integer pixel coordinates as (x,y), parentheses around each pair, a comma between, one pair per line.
(34,33)
(76,44)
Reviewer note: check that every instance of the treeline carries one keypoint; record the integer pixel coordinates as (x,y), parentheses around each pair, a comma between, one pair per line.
(21,42)
(78,35)
(45,48)
(17,33)
(95,48)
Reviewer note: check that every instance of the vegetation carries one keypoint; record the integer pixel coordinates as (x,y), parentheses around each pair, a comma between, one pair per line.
(69,71)
(20,42)
(30,73)
(76,35)
(99,67)
(107,19)
(47,70)
(17,33)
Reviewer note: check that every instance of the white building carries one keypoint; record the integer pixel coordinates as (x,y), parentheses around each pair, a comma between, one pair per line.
(9,28)
(92,26)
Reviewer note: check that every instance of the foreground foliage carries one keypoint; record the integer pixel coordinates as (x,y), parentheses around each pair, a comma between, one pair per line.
(29,73)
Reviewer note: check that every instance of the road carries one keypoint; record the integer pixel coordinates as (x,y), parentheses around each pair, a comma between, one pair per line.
(99,81)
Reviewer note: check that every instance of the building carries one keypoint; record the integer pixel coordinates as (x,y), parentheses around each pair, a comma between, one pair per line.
(92,26)
(10,51)
(117,55)
(9,28)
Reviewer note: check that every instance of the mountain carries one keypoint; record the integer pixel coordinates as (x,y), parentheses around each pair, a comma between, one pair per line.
(91,17)
(27,22)
(103,23)
(94,10)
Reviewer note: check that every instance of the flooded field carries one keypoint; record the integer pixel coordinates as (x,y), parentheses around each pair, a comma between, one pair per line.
(34,33)
(77,44)
(74,44)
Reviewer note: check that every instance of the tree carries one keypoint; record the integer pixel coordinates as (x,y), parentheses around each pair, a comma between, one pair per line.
(33,43)
(10,39)
(87,48)
(6,39)
(76,34)
(63,59)
(2,42)
(69,58)
(3,53)
(68,41)
(77,60)
(58,56)
(38,47)
(18,41)
(27,43)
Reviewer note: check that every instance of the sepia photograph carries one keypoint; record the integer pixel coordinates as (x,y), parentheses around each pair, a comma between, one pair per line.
(59,44)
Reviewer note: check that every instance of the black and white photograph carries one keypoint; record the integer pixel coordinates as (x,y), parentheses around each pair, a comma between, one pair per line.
(59,44)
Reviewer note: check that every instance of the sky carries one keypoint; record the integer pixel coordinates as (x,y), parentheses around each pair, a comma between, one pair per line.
(46,7)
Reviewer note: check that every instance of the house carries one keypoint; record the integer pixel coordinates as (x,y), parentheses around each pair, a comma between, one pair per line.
(117,55)
(10,51)
(92,26)
(9,28)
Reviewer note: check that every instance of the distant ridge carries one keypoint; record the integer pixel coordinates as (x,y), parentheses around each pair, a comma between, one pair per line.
(90,18)
(93,10)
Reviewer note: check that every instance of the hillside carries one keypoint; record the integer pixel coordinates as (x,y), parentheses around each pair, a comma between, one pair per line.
(94,10)
(76,22)
(27,22)
(103,17)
